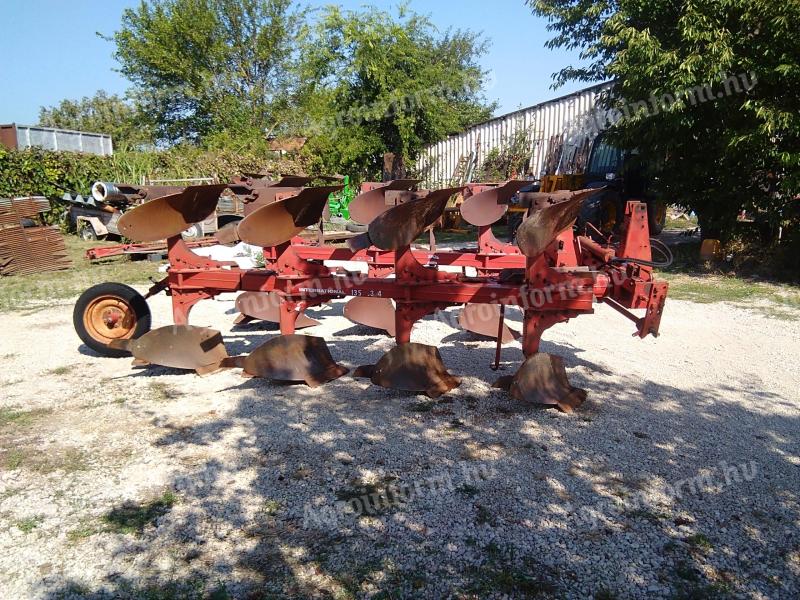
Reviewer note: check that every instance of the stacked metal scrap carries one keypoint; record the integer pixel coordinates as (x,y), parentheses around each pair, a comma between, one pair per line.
(26,250)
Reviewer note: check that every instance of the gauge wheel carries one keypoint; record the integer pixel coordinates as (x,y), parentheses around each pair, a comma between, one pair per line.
(107,312)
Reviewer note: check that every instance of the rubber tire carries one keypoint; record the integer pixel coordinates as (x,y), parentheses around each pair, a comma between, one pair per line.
(354,227)
(126,293)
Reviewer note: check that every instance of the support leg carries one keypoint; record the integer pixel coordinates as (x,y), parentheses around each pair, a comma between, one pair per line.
(182,304)
(407,313)
(536,323)
(288,316)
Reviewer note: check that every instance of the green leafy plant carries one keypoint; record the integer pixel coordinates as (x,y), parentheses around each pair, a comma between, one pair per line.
(737,149)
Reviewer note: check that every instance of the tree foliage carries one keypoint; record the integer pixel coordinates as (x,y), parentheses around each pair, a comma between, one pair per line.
(357,84)
(739,149)
(202,67)
(101,113)
(375,83)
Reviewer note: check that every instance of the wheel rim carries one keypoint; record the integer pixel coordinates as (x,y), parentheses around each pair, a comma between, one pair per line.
(109,318)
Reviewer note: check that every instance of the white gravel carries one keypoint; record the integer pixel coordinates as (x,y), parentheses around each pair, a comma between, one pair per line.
(507,501)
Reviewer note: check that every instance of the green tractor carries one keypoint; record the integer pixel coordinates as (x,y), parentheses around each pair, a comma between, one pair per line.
(339,202)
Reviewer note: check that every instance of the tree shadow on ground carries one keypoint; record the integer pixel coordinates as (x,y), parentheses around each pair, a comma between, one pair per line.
(641,492)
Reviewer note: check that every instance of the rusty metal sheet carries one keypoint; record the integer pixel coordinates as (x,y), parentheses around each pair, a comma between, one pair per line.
(484,319)
(178,347)
(27,250)
(368,205)
(372,312)
(291,358)
(412,368)
(486,208)
(542,380)
(265,306)
(280,221)
(168,216)
(402,224)
(543,225)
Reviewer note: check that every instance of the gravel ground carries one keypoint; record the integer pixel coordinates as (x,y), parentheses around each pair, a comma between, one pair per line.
(678,478)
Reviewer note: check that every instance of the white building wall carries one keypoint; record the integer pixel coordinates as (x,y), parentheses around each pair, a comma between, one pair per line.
(575,115)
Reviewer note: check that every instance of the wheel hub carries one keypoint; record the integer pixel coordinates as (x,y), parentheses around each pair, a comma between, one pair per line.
(109,318)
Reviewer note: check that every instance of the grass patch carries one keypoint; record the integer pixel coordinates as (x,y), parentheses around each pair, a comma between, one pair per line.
(32,458)
(777,300)
(13,460)
(69,461)
(699,541)
(467,489)
(85,529)
(422,407)
(60,370)
(511,581)
(163,392)
(132,517)
(712,591)
(28,524)
(21,418)
(680,222)
(357,490)
(484,516)
(647,515)
(271,507)
(42,290)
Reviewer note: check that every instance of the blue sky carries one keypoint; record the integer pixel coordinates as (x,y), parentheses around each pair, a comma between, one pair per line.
(50,50)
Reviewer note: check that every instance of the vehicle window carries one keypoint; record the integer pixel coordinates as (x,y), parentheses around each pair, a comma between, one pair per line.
(605,159)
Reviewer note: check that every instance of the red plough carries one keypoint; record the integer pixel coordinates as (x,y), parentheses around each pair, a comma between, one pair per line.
(551,273)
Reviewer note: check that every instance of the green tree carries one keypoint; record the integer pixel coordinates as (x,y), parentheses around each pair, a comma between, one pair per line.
(205,67)
(706,89)
(375,83)
(101,113)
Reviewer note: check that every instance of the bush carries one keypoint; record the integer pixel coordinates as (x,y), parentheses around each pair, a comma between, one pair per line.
(37,172)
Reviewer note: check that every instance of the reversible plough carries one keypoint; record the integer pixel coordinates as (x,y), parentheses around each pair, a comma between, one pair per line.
(552,272)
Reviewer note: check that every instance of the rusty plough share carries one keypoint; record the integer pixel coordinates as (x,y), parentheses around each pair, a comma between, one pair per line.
(551,273)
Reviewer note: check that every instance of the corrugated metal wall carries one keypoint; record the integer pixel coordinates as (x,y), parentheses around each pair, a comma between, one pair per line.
(573,115)
(51,138)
